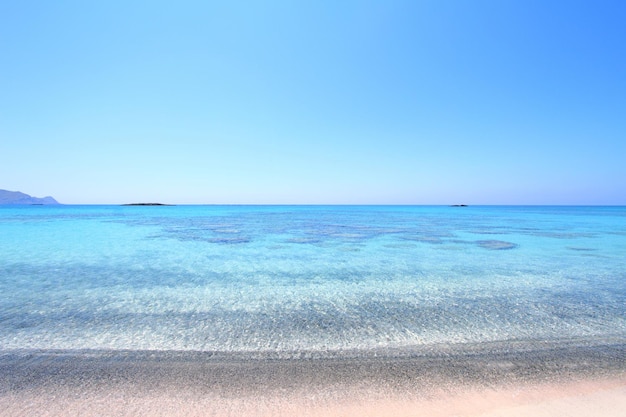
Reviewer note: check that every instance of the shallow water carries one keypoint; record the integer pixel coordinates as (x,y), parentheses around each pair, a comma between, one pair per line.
(314,280)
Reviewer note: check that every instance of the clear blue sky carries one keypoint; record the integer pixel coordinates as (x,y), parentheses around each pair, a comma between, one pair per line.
(396,102)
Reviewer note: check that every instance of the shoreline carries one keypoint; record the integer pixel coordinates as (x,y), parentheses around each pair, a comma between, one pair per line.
(125,383)
(584,397)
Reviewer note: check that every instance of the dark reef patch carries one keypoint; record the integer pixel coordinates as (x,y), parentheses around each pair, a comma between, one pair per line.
(579,249)
(496,244)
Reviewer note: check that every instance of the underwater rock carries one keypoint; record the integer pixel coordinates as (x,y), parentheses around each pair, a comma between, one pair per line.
(495,244)
(229,240)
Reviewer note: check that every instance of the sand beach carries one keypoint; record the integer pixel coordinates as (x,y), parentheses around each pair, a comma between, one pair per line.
(571,381)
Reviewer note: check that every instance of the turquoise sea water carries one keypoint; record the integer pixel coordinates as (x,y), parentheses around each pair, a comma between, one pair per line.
(309,280)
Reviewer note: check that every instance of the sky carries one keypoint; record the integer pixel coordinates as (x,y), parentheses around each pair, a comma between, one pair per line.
(314,101)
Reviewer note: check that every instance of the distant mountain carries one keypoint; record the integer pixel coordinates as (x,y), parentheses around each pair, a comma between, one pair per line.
(16,197)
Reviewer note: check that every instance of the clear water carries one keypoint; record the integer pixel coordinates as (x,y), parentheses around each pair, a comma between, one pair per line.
(318,279)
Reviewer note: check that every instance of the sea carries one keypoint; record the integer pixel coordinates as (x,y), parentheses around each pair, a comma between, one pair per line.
(309,281)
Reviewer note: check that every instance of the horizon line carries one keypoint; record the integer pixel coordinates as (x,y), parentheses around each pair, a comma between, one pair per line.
(455,205)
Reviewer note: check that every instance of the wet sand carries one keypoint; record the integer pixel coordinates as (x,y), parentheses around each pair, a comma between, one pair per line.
(479,381)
